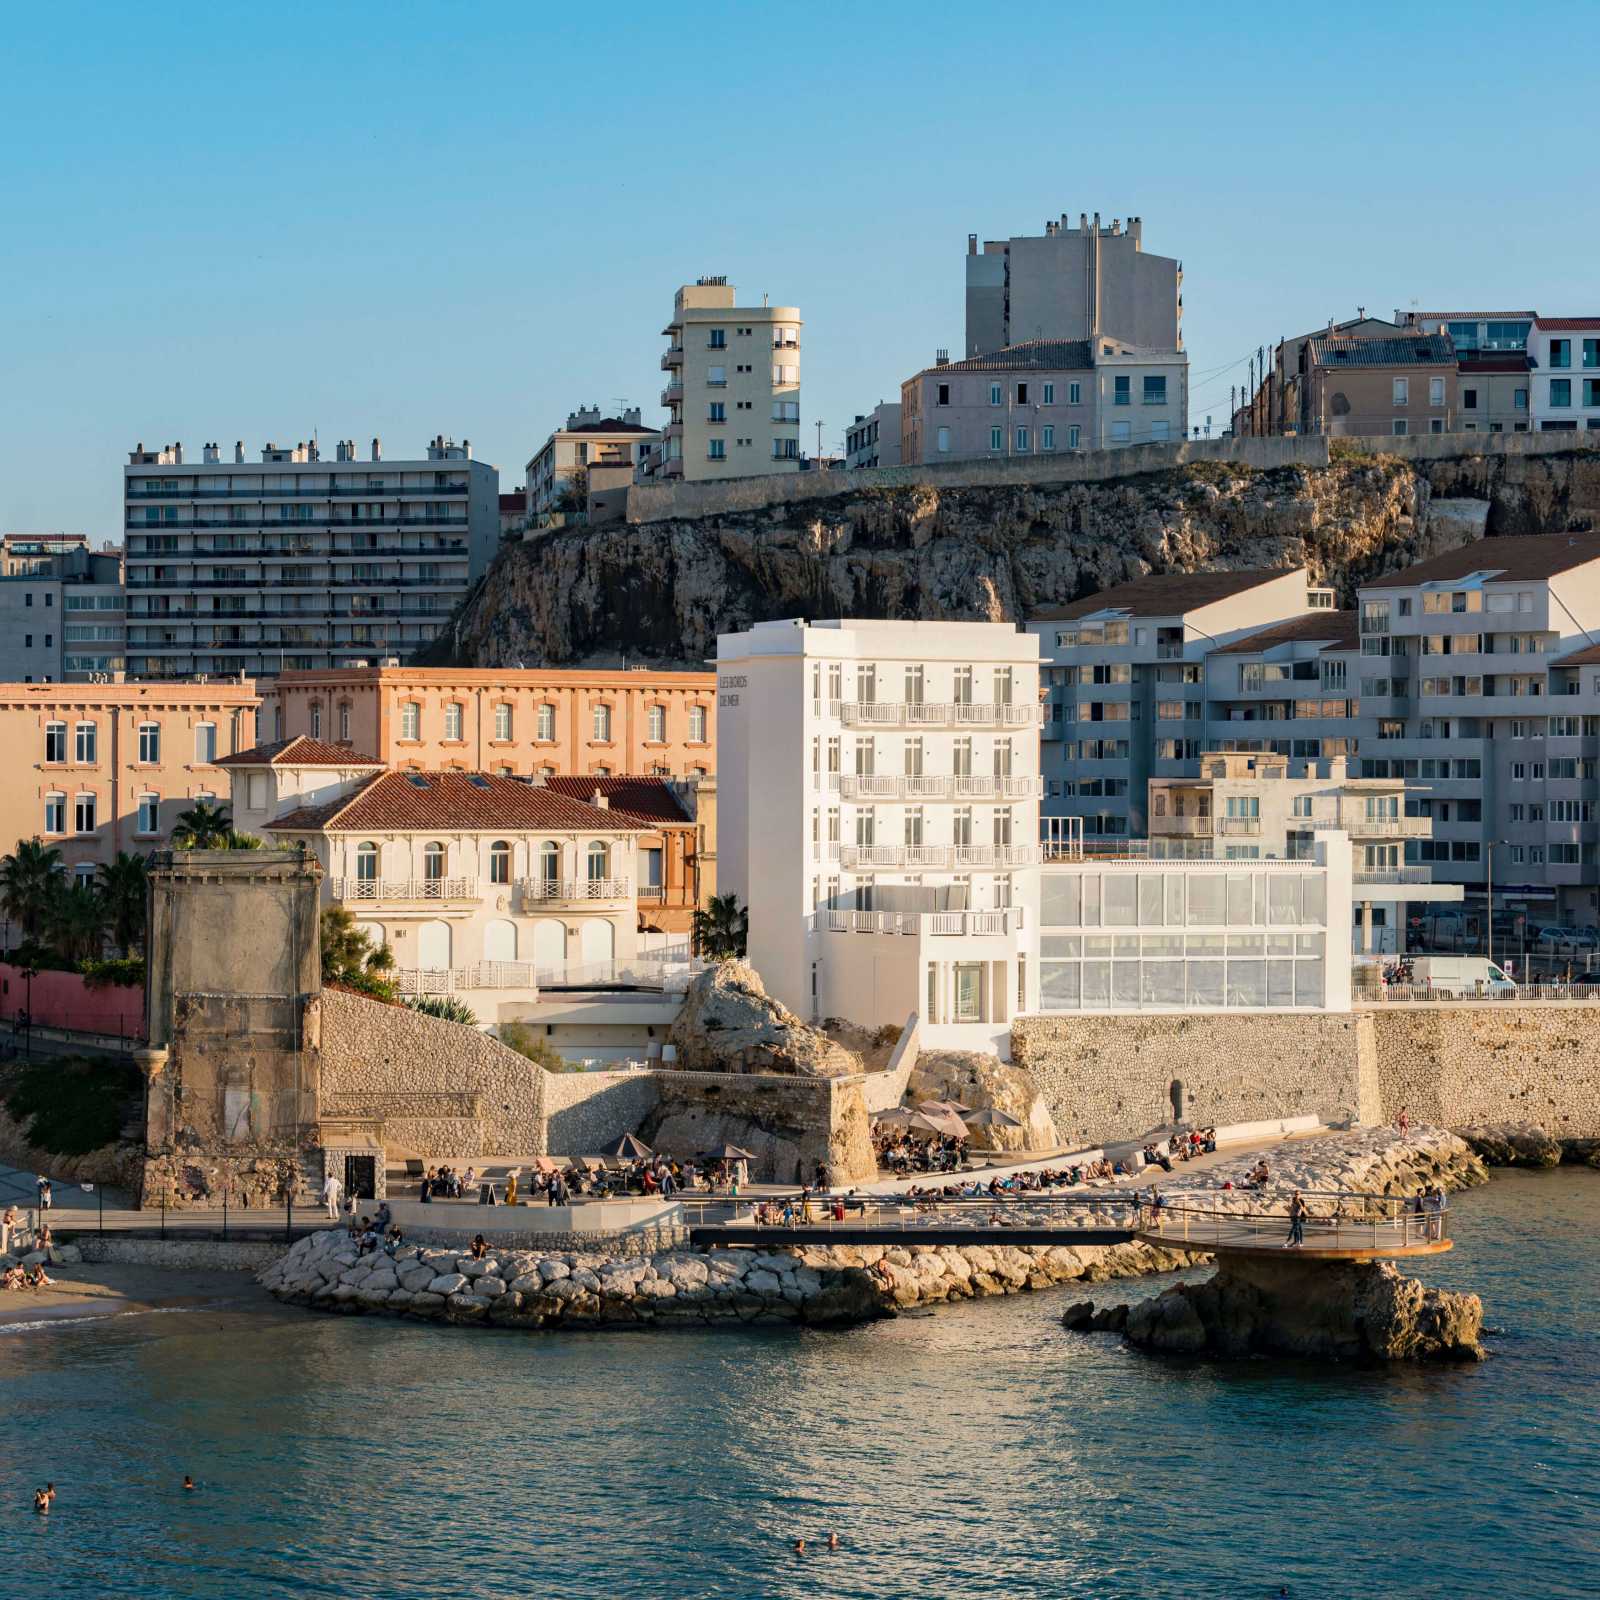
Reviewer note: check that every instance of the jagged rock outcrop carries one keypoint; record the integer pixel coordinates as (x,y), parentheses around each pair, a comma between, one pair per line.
(729,1023)
(1341,1311)
(980,1081)
(662,591)
(1511,1144)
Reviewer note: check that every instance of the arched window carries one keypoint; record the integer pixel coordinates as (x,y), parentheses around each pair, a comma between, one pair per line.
(546,727)
(366,862)
(433,861)
(602,724)
(656,725)
(453,720)
(500,862)
(549,862)
(599,859)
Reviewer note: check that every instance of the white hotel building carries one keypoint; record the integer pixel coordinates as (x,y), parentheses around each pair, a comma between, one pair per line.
(880,792)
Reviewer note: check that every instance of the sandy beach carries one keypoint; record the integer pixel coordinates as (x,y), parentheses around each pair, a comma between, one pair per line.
(114,1289)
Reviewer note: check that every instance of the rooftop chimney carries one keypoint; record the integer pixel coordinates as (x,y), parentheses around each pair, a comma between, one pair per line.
(210,454)
(377,449)
(601,802)
(972,244)
(238,449)
(941,358)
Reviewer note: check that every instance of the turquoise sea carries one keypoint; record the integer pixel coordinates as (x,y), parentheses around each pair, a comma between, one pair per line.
(976,1450)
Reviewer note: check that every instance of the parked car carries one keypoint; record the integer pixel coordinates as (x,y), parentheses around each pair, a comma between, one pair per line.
(1555,937)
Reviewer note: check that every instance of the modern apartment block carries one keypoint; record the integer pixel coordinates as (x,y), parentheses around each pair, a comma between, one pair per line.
(107,767)
(879,818)
(1566,384)
(294,562)
(511,722)
(557,478)
(24,554)
(1126,683)
(1073,283)
(873,440)
(1043,398)
(1254,807)
(733,387)
(1364,386)
(61,614)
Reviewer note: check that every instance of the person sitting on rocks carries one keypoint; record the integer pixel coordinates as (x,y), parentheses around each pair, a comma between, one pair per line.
(479,1248)
(37,1278)
(368,1240)
(392,1241)
(385,1216)
(425,1188)
(1258,1176)
(15,1277)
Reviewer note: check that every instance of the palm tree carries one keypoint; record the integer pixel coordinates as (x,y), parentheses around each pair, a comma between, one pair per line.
(720,931)
(121,885)
(204,826)
(30,878)
(78,922)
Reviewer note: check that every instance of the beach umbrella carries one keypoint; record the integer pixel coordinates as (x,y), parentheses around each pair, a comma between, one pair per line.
(991,1117)
(627,1148)
(545,1165)
(898,1117)
(938,1122)
(934,1107)
(729,1152)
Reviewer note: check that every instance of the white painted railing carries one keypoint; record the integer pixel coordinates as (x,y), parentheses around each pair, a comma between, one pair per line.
(935,714)
(865,857)
(545,891)
(872,786)
(913,924)
(375,889)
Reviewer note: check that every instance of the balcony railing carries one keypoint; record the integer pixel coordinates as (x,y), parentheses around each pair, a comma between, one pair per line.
(390,492)
(1393,875)
(913,924)
(936,714)
(870,786)
(1192,827)
(400,889)
(1237,825)
(550,891)
(1383,827)
(869,857)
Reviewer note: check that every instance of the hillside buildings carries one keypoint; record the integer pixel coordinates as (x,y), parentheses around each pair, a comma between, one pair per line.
(733,387)
(293,562)
(61,612)
(1043,398)
(873,440)
(1373,385)
(508,721)
(1566,391)
(1073,283)
(576,456)
(107,767)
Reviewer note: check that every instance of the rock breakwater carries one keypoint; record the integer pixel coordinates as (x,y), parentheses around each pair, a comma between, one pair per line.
(1524,1144)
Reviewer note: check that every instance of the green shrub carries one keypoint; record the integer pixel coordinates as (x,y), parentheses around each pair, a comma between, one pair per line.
(528,1041)
(71,1105)
(446,1008)
(126,973)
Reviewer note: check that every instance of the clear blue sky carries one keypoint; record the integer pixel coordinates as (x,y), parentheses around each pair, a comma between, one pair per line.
(222,222)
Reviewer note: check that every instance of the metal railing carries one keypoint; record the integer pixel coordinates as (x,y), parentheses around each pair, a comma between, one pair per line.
(546,891)
(935,714)
(914,924)
(372,889)
(1424,994)
(892,786)
(857,857)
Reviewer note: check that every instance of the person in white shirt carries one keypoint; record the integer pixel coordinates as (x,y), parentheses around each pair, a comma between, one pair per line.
(330,1195)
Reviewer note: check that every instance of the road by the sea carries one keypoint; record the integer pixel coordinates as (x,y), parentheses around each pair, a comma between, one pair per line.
(976,1450)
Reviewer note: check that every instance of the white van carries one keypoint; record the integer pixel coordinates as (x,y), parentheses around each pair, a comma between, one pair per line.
(1461,976)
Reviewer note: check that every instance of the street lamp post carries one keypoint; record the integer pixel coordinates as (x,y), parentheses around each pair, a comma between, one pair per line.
(1488,942)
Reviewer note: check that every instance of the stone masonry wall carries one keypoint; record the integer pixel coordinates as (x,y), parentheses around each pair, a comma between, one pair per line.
(1109,1077)
(585,1111)
(413,1072)
(1459,1065)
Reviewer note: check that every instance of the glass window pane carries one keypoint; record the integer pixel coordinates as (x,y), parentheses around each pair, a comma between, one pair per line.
(1175,881)
(1310,944)
(1280,944)
(1150,899)
(1207,891)
(1280,983)
(1096,985)
(1204,982)
(1121,908)
(1239,903)
(1098,947)
(1125,983)
(1163,983)
(1308,983)
(1261,899)
(1125,946)
(1247,983)
(1091,901)
(1206,944)
(1163,946)
(1246,944)
(1061,899)
(1283,897)
(1062,946)
(1058,985)
(1315,886)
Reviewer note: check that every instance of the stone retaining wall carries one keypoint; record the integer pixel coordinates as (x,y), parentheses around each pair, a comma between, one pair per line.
(1107,1078)
(584,1111)
(181,1255)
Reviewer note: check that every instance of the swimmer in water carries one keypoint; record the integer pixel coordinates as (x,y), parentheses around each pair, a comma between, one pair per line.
(49,1495)
(188,1482)
(833,1540)
(41,1501)
(799,1547)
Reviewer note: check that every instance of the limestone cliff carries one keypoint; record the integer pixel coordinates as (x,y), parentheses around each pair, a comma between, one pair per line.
(660,592)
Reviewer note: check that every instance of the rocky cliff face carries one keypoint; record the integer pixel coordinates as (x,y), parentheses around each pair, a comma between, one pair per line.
(660,592)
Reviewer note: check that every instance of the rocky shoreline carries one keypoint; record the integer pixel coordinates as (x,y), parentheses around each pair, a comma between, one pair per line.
(1525,1144)
(814,1286)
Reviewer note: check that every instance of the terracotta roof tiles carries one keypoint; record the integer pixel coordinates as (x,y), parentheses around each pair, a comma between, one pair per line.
(649,800)
(1163,594)
(299,751)
(1515,558)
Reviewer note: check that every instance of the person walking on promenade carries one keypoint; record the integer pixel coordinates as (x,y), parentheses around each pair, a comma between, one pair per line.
(1403,1122)
(330,1196)
(1297,1221)
(44,1193)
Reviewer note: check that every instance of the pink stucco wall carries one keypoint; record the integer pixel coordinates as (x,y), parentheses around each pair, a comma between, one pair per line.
(64,1000)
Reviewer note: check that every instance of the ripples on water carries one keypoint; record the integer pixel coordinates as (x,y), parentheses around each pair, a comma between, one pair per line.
(975,1450)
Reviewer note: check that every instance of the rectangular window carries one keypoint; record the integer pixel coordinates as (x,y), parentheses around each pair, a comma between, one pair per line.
(717,450)
(996,439)
(944,395)
(83,814)
(1591,352)
(717,377)
(1436,425)
(1022,394)
(1155,391)
(1402,392)
(1047,438)
(944,441)
(1401,426)
(1121,432)
(1022,441)
(502,721)
(55,813)
(1122,391)
(1050,392)
(84,744)
(1469,399)
(1073,433)
(1591,393)
(411,720)
(1560,352)
(1435,391)
(716,411)
(149,813)
(55,741)
(996,394)
(205,743)
(1074,394)
(149,743)
(718,339)
(697,724)
(1519,401)
(452,720)
(544,725)
(1561,391)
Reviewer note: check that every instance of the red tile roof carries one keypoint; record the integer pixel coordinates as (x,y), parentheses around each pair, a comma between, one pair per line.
(299,752)
(648,800)
(1586,657)
(1336,629)
(1163,594)
(1472,364)
(1562,323)
(472,802)
(1470,316)
(1512,558)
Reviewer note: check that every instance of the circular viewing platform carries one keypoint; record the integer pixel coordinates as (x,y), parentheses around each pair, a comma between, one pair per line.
(1383,1229)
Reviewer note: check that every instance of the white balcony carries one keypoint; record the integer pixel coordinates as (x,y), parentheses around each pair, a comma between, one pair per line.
(400,890)
(544,893)
(1237,825)
(935,714)
(1188,827)
(870,857)
(915,924)
(1383,827)
(871,786)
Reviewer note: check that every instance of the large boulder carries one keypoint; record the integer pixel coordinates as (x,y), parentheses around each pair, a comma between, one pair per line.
(1513,1144)
(981,1082)
(729,1023)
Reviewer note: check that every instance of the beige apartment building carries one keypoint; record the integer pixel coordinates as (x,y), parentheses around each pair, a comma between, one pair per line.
(1041,398)
(1370,386)
(733,387)
(504,721)
(102,768)
(561,475)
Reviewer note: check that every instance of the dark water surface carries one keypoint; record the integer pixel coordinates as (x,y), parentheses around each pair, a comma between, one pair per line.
(974,1450)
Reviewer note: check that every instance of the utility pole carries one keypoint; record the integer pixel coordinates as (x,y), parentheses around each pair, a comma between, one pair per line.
(1233,404)
(1266,406)
(1252,394)
(819,444)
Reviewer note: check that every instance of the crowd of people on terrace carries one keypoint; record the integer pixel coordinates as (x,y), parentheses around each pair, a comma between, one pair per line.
(902,1153)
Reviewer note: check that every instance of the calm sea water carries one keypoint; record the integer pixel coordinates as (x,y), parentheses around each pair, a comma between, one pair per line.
(975,1450)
